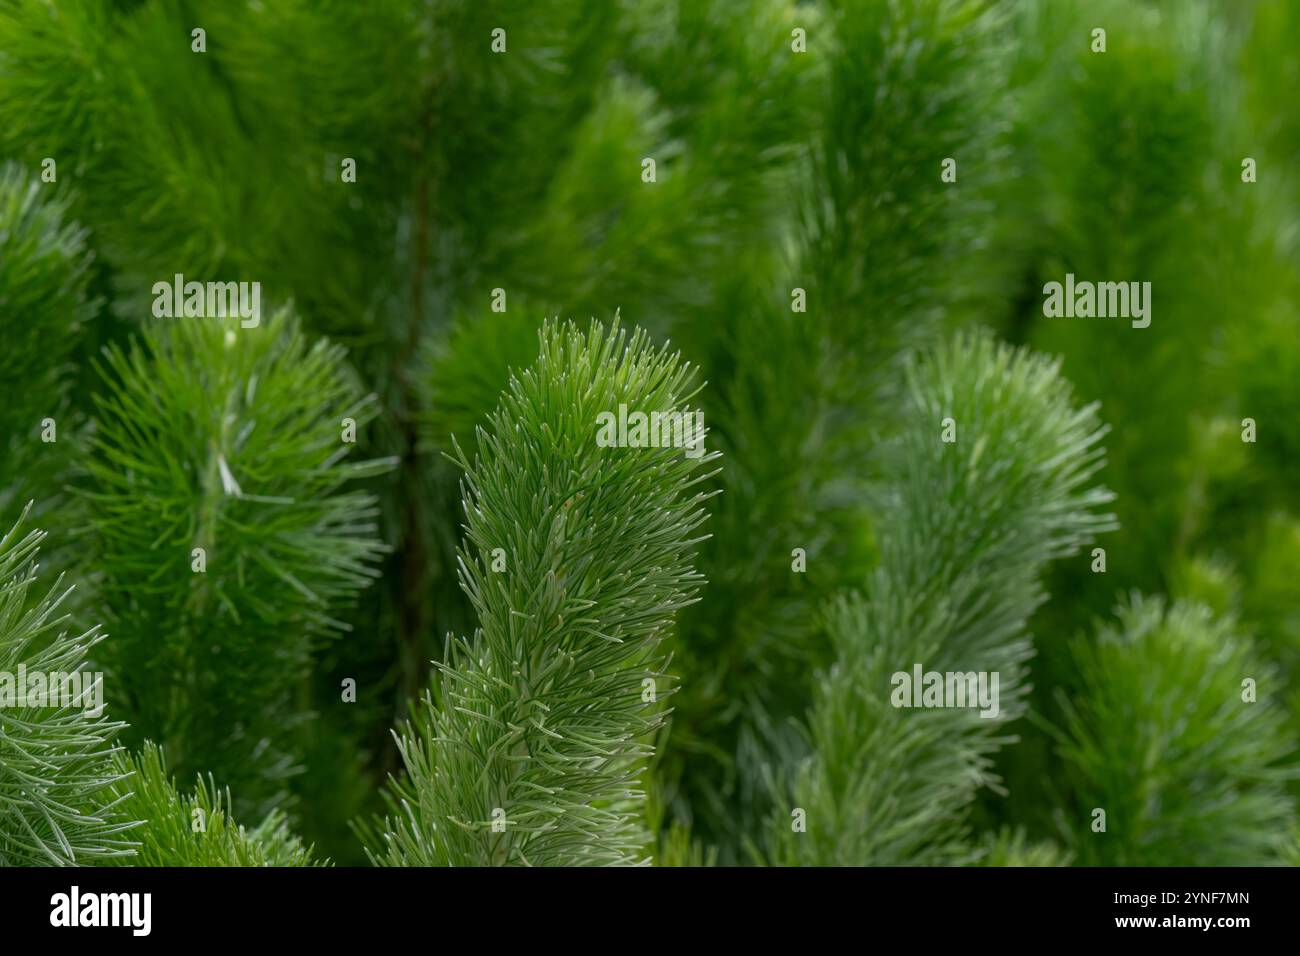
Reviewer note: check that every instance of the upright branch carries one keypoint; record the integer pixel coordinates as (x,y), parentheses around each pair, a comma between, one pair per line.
(990,479)
(228,537)
(576,557)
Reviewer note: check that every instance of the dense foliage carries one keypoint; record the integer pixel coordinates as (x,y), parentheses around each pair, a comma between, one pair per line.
(361,559)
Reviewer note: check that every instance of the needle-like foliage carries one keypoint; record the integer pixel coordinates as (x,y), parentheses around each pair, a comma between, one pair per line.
(576,558)
(879,244)
(1011,847)
(801,195)
(58,805)
(226,537)
(1177,731)
(44,267)
(195,829)
(966,528)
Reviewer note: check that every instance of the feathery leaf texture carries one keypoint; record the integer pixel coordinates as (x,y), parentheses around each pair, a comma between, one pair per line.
(1161,736)
(194,829)
(966,528)
(44,267)
(879,245)
(540,723)
(1011,847)
(58,805)
(43,274)
(798,144)
(231,440)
